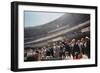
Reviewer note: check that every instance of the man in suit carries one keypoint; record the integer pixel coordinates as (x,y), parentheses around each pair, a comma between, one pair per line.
(82,45)
(87,46)
(75,49)
(67,47)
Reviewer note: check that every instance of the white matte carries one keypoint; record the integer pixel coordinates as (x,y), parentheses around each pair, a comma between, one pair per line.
(22,64)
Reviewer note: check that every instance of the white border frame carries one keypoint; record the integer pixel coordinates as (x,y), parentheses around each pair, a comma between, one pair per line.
(38,64)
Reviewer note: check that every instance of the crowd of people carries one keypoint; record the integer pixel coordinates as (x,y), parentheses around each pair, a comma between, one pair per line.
(60,50)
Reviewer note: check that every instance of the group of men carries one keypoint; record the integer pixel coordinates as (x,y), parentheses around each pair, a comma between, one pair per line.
(60,50)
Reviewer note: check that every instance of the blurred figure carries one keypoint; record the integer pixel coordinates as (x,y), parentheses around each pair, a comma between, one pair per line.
(87,46)
(55,49)
(82,45)
(51,52)
(31,55)
(67,57)
(29,52)
(62,51)
(80,48)
(36,56)
(67,47)
(48,50)
(75,49)
(44,52)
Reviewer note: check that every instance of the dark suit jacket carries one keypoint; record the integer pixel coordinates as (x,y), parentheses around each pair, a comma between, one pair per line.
(75,50)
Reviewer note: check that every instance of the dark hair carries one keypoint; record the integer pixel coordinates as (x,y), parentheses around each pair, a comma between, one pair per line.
(37,51)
